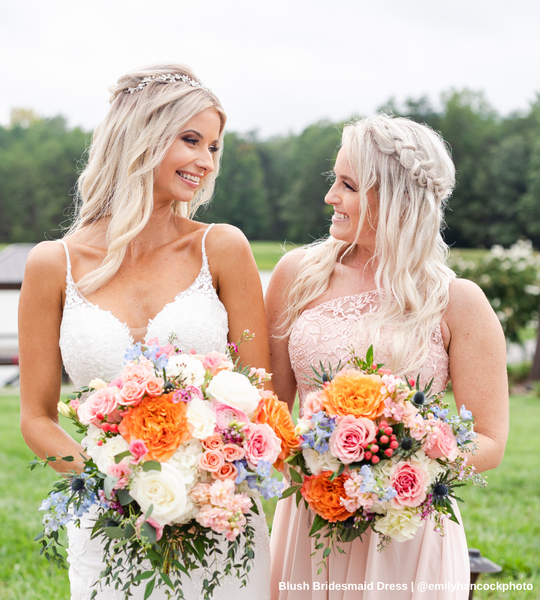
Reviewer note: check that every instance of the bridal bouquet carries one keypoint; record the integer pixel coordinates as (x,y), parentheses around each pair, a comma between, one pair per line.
(177,449)
(377,452)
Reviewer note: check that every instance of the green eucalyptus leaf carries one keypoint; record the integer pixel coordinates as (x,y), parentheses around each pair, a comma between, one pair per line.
(119,457)
(152,465)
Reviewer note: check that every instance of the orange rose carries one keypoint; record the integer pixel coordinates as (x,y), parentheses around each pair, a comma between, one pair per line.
(354,393)
(227,471)
(275,413)
(323,496)
(160,423)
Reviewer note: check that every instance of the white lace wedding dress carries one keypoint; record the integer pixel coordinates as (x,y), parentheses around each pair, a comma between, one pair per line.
(93,342)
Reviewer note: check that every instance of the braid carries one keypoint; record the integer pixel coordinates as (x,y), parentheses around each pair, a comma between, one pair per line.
(421,170)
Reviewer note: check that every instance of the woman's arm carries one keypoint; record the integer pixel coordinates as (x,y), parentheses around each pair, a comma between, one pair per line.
(477,353)
(239,288)
(40,315)
(282,277)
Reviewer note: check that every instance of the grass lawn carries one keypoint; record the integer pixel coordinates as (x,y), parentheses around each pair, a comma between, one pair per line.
(501,520)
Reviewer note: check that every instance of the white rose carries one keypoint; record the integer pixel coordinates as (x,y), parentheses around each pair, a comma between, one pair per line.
(201,417)
(186,460)
(190,369)
(166,491)
(399,524)
(104,455)
(235,390)
(317,463)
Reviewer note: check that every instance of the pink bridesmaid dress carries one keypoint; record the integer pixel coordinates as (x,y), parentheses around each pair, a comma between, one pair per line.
(438,564)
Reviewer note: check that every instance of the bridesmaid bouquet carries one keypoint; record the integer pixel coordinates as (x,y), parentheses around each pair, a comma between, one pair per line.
(177,449)
(378,452)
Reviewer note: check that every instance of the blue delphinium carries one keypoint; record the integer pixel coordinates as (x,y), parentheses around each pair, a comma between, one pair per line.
(259,478)
(317,438)
(440,413)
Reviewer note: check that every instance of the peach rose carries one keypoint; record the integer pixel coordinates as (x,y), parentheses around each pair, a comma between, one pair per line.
(410,483)
(154,386)
(136,372)
(211,460)
(324,496)
(441,442)
(159,423)
(347,437)
(276,414)
(354,393)
(131,394)
(232,452)
(213,442)
(227,471)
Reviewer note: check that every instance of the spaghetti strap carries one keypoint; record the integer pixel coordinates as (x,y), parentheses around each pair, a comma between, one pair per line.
(204,257)
(68,262)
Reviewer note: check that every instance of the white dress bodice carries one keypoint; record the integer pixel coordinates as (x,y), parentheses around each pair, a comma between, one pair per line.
(93,341)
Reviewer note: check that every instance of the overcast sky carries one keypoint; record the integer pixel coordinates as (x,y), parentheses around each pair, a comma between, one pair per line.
(276,66)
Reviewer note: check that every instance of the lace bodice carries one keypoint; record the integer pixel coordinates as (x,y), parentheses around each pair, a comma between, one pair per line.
(93,341)
(326,332)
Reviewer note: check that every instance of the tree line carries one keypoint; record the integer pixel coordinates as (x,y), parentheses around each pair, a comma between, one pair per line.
(273,189)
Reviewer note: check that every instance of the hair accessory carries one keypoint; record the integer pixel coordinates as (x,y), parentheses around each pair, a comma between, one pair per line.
(169,78)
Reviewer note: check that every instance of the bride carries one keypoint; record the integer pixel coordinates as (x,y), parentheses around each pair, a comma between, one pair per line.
(380,278)
(133,267)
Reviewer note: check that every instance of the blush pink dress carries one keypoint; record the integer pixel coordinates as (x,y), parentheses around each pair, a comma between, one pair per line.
(324,333)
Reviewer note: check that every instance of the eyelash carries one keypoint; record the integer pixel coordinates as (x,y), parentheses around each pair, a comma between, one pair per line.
(194,141)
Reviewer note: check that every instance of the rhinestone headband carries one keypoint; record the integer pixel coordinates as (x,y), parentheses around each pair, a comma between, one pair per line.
(167,79)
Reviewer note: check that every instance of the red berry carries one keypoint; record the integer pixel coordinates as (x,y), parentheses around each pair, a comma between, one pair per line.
(384,439)
(99,417)
(383,425)
(99,442)
(394,444)
(375,460)
(389,452)
(367,455)
(393,437)
(364,445)
(106,427)
(374,448)
(388,431)
(114,428)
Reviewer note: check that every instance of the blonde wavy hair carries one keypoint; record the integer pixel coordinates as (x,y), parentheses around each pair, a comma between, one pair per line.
(409,167)
(127,147)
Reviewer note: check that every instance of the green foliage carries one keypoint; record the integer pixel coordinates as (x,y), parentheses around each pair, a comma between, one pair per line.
(511,281)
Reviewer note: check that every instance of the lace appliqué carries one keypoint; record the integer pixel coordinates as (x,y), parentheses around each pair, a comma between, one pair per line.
(325,333)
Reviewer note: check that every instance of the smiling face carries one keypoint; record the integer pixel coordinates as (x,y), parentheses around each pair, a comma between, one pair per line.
(189,159)
(345,198)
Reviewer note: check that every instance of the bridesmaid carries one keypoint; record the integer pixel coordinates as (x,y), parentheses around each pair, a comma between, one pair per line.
(381,278)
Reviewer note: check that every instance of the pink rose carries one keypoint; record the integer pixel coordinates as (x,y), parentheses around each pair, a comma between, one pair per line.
(261,444)
(118,382)
(150,521)
(216,362)
(410,483)
(233,452)
(312,404)
(74,404)
(100,405)
(131,394)
(154,386)
(139,450)
(211,460)
(136,372)
(225,414)
(349,435)
(441,442)
(168,349)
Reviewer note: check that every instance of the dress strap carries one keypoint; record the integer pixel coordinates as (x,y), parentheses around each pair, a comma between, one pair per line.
(69,277)
(204,256)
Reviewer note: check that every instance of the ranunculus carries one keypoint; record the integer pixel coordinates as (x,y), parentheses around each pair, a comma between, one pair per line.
(154,386)
(165,490)
(160,423)
(400,525)
(216,362)
(211,460)
(311,404)
(232,452)
(355,393)
(235,390)
(276,413)
(317,463)
(131,394)
(227,471)
(188,369)
(213,442)
(201,417)
(441,442)
(135,372)
(226,414)
(104,455)
(103,403)
(347,437)
(410,482)
(261,444)
(324,496)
